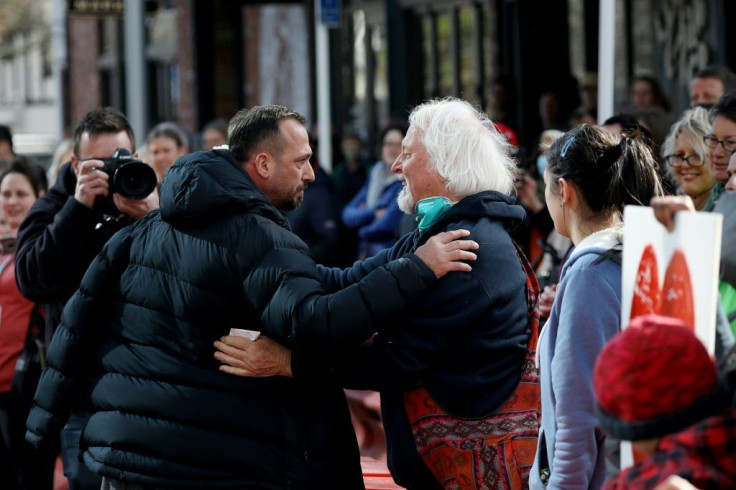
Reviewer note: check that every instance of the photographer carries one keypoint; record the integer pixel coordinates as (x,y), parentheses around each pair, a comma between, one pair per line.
(66,228)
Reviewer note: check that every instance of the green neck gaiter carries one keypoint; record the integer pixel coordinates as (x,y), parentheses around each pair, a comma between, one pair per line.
(430,209)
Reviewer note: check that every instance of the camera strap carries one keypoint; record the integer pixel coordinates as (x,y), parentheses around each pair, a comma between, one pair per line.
(5,263)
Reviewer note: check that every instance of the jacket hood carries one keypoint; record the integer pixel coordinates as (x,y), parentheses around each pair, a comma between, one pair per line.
(598,243)
(204,185)
(486,204)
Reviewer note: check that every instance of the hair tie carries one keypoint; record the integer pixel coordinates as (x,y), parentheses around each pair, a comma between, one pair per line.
(566,147)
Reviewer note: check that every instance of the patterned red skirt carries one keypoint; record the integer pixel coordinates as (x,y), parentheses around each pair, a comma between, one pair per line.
(493,452)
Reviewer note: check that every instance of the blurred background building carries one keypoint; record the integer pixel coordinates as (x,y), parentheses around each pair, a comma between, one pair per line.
(206,59)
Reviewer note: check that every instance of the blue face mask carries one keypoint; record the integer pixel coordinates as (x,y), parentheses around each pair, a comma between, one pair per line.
(430,209)
(541,164)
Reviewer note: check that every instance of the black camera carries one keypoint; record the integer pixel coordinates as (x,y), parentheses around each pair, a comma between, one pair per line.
(129,177)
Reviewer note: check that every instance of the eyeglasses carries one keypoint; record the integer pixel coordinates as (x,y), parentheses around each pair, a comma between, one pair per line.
(728,145)
(693,160)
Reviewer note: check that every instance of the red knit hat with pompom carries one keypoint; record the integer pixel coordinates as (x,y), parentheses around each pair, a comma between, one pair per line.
(655,378)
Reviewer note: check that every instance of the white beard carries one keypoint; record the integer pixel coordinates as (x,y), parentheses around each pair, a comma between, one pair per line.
(406,200)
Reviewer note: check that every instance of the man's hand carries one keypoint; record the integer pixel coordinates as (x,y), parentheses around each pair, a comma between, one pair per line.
(253,358)
(665,208)
(445,252)
(136,208)
(90,182)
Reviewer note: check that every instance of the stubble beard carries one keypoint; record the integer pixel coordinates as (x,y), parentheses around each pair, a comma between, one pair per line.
(296,200)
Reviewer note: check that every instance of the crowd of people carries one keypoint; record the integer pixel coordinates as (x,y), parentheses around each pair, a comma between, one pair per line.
(212,333)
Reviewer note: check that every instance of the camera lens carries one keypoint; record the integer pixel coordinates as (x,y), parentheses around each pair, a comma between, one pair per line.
(134,180)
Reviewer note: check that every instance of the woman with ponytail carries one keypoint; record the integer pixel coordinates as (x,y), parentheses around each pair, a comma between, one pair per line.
(590,176)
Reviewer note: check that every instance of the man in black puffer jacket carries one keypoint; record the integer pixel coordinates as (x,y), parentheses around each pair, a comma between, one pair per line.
(63,232)
(136,340)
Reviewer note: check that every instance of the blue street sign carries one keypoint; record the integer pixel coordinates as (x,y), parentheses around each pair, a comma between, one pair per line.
(329,12)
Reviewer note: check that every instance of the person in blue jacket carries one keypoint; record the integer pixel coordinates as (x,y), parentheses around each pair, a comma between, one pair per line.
(591,175)
(374,211)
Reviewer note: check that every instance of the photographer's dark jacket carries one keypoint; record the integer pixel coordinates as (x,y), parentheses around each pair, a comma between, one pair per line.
(136,340)
(56,243)
(465,341)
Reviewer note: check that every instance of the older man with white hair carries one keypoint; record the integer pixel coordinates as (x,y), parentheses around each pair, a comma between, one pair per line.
(455,371)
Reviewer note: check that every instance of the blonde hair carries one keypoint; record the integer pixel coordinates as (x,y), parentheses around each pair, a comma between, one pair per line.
(693,126)
(62,154)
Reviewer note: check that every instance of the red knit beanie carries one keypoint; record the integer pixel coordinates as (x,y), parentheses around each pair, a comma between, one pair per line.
(655,378)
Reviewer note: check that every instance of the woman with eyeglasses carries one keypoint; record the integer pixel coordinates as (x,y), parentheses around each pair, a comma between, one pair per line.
(374,212)
(687,155)
(722,142)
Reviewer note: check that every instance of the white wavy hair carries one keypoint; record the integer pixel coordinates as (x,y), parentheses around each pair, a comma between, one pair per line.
(464,147)
(693,125)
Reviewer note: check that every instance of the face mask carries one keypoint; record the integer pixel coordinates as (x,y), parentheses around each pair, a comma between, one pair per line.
(430,209)
(541,164)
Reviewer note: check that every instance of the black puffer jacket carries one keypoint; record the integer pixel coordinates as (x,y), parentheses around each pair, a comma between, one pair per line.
(136,340)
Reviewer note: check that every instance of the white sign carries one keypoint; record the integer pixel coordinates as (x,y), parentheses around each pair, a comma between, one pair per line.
(672,274)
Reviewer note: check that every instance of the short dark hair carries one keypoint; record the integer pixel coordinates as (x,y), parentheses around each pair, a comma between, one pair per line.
(34,172)
(219,125)
(102,121)
(625,120)
(6,135)
(725,106)
(400,126)
(352,135)
(629,124)
(660,99)
(256,126)
(169,130)
(726,76)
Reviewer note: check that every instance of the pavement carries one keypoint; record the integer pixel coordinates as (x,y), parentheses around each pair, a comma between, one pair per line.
(375,475)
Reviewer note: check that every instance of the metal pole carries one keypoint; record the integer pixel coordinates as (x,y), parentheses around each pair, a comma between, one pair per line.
(136,89)
(323,90)
(606,62)
(58,47)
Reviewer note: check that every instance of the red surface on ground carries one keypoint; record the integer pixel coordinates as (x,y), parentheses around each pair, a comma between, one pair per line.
(376,475)
(60,481)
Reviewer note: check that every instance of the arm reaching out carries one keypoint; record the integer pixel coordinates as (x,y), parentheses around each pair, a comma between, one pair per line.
(136,208)
(665,208)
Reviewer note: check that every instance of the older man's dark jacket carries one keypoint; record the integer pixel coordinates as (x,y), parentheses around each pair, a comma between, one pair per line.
(465,341)
(136,341)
